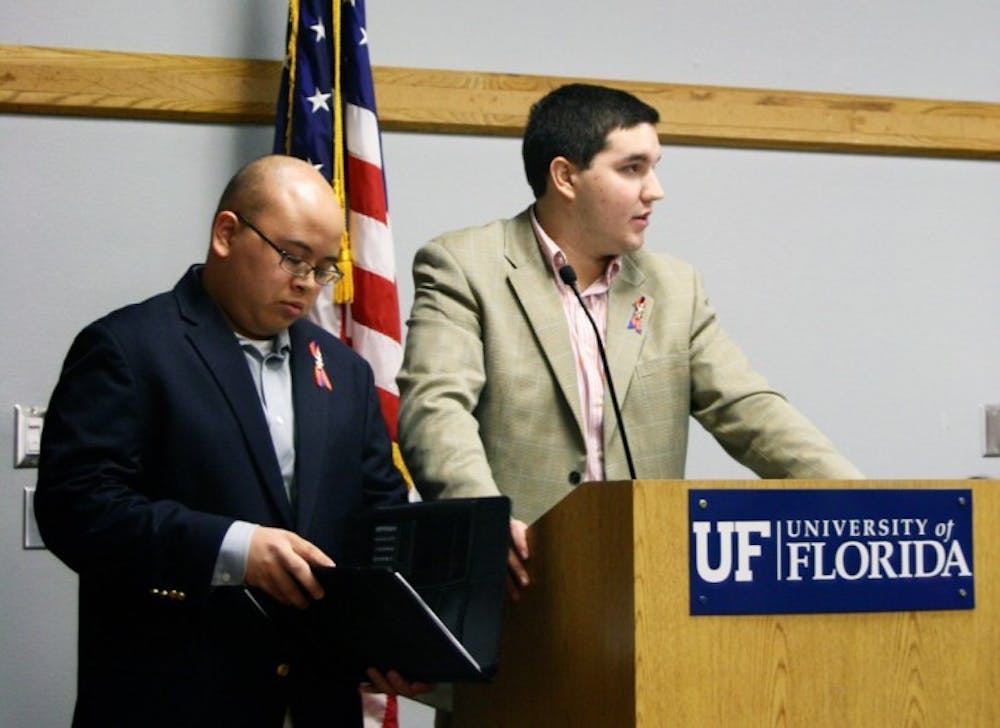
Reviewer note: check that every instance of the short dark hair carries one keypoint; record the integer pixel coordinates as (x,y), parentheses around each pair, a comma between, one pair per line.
(574,121)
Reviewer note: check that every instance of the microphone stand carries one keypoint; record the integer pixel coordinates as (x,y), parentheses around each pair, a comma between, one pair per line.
(568,276)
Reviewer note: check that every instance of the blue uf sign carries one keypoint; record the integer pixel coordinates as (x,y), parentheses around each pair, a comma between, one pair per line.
(798,551)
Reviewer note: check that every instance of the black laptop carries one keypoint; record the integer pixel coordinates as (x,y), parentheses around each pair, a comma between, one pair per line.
(423,592)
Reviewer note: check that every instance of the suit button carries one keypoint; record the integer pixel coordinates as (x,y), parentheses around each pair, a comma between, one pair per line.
(574,478)
(283,669)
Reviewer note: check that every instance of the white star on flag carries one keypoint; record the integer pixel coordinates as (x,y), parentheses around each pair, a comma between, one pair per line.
(319,29)
(319,101)
(364,36)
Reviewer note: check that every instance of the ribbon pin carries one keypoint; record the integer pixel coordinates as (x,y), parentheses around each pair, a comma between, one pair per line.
(319,371)
(638,311)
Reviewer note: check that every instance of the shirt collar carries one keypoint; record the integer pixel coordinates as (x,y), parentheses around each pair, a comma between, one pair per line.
(555,258)
(280,344)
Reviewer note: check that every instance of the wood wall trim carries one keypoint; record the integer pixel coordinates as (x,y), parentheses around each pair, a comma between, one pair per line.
(59,81)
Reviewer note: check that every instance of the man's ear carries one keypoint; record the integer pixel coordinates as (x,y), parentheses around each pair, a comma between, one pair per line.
(223,231)
(562,177)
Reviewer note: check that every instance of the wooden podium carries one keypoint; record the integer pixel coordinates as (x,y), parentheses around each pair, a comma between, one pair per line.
(604,637)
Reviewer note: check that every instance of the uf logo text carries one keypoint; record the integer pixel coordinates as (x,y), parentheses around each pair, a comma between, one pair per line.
(728,532)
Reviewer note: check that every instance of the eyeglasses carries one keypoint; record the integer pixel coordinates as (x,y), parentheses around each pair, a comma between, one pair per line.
(294,264)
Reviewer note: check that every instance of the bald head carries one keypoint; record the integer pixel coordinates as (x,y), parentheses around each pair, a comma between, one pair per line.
(250,188)
(274,207)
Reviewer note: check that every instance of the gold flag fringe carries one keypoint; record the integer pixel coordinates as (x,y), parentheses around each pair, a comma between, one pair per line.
(397,460)
(343,290)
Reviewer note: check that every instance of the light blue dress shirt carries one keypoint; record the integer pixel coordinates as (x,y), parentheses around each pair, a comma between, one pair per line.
(270,366)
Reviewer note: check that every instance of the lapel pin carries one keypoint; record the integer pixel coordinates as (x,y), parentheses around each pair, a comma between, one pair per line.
(638,311)
(319,370)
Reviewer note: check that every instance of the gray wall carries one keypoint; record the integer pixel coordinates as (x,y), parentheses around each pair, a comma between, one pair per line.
(864,287)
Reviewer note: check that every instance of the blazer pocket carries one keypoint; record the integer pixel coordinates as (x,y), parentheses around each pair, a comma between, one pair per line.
(664,386)
(664,367)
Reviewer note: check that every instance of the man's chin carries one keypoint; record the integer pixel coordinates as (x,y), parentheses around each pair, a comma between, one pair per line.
(633,243)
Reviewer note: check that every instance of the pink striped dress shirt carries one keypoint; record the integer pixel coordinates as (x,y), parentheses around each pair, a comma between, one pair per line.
(589,372)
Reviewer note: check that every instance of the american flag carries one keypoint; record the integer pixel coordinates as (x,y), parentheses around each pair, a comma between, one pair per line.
(334,126)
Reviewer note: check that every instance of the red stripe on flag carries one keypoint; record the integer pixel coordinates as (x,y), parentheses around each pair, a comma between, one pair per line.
(376,303)
(391,719)
(365,191)
(390,410)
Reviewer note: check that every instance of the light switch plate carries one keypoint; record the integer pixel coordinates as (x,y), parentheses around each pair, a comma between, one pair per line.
(28,422)
(32,536)
(991,430)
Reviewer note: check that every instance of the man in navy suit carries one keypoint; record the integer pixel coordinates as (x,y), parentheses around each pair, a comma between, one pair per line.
(202,450)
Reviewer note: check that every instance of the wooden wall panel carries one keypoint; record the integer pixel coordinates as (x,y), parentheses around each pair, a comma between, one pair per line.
(59,81)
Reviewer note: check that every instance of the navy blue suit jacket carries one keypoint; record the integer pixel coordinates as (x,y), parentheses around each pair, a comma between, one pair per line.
(154,442)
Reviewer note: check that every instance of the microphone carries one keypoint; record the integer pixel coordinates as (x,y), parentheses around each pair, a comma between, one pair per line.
(568,276)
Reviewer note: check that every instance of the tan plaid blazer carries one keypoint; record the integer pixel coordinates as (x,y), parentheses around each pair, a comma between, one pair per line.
(489,400)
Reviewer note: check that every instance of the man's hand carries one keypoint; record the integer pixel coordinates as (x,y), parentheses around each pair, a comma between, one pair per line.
(517,559)
(278,564)
(393,683)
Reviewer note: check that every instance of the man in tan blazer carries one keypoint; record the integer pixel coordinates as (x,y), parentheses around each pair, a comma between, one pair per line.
(502,389)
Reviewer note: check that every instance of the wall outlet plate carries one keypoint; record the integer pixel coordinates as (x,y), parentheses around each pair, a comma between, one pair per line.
(32,536)
(991,430)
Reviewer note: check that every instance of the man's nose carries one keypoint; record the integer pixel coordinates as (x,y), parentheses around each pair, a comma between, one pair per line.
(652,190)
(306,283)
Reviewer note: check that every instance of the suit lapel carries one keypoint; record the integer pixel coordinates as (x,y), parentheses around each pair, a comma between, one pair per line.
(624,343)
(536,293)
(216,345)
(310,424)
